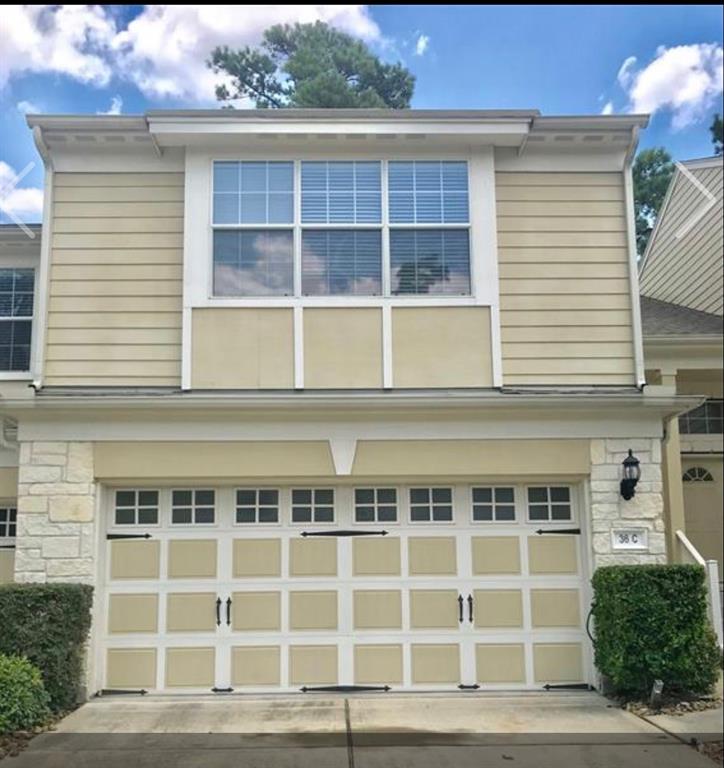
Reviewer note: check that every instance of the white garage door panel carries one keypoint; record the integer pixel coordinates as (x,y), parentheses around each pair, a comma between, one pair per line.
(260,607)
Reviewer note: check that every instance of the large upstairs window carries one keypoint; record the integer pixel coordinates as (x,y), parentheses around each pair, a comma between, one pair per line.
(707,419)
(16,317)
(341,228)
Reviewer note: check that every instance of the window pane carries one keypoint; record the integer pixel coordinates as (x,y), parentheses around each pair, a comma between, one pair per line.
(538,512)
(270,498)
(431,192)
(430,261)
(204,515)
(147,516)
(302,514)
(181,516)
(205,498)
(125,517)
(442,513)
(268,515)
(324,496)
(365,514)
(324,514)
(253,263)
(245,515)
(504,513)
(560,512)
(387,514)
(125,498)
(482,512)
(16,301)
(560,494)
(537,495)
(182,498)
(253,192)
(364,496)
(419,513)
(442,495)
(482,495)
(341,262)
(301,496)
(419,495)
(504,495)
(148,498)
(341,192)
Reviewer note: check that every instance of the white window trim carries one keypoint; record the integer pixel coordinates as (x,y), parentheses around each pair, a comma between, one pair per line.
(398,504)
(549,504)
(5,540)
(122,526)
(193,523)
(312,505)
(198,253)
(25,262)
(257,524)
(515,504)
(408,501)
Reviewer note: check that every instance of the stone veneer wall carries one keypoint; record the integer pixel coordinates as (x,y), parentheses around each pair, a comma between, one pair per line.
(56,509)
(610,511)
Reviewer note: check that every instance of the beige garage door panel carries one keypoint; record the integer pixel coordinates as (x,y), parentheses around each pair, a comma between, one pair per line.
(495,555)
(191,612)
(434,609)
(256,611)
(498,608)
(377,609)
(504,663)
(254,665)
(257,558)
(190,667)
(135,559)
(313,664)
(552,555)
(131,668)
(432,556)
(313,557)
(435,663)
(377,664)
(558,662)
(313,610)
(7,566)
(132,613)
(376,557)
(555,607)
(192,559)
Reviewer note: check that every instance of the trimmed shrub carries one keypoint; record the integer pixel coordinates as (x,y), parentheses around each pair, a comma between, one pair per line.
(49,625)
(23,698)
(651,623)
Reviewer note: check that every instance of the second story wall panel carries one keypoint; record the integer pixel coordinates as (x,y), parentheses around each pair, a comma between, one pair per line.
(114,308)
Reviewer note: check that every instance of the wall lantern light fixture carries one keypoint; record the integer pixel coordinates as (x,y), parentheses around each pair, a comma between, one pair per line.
(631,475)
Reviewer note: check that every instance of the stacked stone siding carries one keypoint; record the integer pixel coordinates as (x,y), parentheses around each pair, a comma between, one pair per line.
(609,511)
(56,508)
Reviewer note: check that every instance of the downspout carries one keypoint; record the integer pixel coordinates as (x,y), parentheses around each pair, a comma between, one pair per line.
(633,273)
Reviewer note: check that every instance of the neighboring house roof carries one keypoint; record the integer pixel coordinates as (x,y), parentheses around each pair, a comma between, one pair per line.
(684,258)
(15,242)
(661,318)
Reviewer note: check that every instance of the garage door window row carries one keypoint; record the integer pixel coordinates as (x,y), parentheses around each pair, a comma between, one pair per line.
(313,506)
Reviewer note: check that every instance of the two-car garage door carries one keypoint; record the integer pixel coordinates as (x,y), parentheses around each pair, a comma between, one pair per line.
(289,589)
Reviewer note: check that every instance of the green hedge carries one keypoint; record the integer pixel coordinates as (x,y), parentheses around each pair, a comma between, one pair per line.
(23,698)
(651,623)
(48,624)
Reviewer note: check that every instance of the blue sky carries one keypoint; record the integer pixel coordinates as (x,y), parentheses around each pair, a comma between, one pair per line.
(666,60)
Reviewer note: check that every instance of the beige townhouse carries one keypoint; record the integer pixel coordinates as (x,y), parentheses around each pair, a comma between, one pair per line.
(328,399)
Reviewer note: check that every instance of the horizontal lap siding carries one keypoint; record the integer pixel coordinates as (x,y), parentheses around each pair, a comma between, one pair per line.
(114,309)
(564,279)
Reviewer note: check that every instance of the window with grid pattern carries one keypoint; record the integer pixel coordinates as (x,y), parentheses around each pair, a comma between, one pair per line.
(136,507)
(312,505)
(8,522)
(341,262)
(375,505)
(257,505)
(431,505)
(707,419)
(17,287)
(493,505)
(549,504)
(193,507)
(341,192)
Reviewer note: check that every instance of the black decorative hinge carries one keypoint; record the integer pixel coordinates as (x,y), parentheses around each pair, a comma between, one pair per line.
(474,687)
(222,690)
(7,546)
(343,688)
(568,687)
(344,533)
(571,531)
(114,536)
(121,692)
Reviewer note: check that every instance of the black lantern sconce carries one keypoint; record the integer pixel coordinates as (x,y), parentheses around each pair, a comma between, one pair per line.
(631,475)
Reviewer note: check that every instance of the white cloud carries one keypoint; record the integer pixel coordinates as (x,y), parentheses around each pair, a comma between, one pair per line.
(25,203)
(177,67)
(67,39)
(163,51)
(624,75)
(115,108)
(421,45)
(607,108)
(27,108)
(687,80)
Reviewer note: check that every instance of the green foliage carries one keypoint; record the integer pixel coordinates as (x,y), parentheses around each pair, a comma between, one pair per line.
(651,623)
(717,134)
(23,698)
(311,65)
(652,172)
(48,624)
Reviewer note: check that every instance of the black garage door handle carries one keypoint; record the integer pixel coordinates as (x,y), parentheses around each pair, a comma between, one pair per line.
(228,611)
(460,608)
(470,608)
(218,611)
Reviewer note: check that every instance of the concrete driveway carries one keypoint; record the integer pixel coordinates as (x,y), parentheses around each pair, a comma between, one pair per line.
(548,730)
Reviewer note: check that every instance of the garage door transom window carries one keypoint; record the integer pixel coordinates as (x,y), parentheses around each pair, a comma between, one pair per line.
(549,504)
(257,505)
(375,505)
(313,505)
(493,505)
(431,505)
(8,519)
(193,507)
(136,507)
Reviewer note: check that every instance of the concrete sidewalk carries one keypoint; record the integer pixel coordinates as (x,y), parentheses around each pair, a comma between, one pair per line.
(551,730)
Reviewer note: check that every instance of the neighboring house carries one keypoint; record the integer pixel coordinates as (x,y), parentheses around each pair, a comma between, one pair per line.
(337,398)
(681,304)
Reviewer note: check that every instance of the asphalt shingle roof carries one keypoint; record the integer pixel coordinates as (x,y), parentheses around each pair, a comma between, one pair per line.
(660,318)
